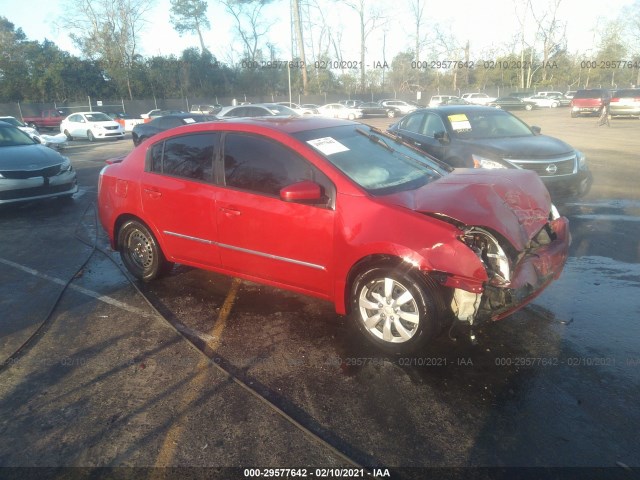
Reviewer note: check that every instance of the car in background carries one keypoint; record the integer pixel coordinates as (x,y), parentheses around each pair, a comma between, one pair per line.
(91,125)
(206,109)
(143,131)
(337,110)
(489,138)
(512,103)
(625,103)
(478,98)
(589,101)
(569,94)
(126,121)
(257,110)
(399,107)
(312,106)
(454,101)
(339,211)
(375,109)
(350,103)
(543,102)
(32,132)
(30,171)
(299,109)
(550,94)
(521,95)
(438,99)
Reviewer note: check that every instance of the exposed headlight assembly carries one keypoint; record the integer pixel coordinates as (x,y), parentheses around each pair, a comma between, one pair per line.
(483,162)
(489,251)
(582,160)
(66,165)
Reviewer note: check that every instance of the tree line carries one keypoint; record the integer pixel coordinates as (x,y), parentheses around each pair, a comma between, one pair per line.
(110,65)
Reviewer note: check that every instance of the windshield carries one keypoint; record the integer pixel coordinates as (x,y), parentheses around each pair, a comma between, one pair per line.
(12,137)
(13,121)
(371,159)
(98,117)
(486,124)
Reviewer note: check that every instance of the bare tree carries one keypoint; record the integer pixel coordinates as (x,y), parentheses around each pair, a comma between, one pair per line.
(247,15)
(108,31)
(189,16)
(295,6)
(550,30)
(369,19)
(417,11)
(522,9)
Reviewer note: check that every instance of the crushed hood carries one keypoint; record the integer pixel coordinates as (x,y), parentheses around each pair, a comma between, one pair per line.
(515,203)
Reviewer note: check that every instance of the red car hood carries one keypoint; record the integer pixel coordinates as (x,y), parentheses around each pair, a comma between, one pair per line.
(515,203)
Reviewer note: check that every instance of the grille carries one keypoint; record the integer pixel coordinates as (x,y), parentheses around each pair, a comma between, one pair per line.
(36,191)
(110,128)
(24,174)
(549,167)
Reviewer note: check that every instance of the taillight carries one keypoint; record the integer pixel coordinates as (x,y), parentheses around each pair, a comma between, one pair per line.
(615,99)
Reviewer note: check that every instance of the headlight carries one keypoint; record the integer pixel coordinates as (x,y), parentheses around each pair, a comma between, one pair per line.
(582,160)
(482,162)
(490,253)
(66,165)
(554,214)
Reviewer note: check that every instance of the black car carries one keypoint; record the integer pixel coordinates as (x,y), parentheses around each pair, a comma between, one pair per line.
(485,137)
(159,124)
(30,171)
(370,109)
(512,103)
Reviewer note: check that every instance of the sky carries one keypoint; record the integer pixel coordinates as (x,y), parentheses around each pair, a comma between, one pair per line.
(485,24)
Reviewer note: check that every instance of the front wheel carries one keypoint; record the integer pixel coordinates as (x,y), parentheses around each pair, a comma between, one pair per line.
(397,311)
(140,252)
(391,113)
(91,136)
(528,106)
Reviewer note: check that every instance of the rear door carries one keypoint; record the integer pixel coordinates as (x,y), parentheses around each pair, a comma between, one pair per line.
(179,195)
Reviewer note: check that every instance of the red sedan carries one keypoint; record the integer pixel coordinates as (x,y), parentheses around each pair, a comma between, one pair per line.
(340,211)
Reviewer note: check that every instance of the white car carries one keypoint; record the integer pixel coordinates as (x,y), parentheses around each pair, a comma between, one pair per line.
(337,110)
(257,110)
(91,125)
(478,98)
(550,94)
(543,101)
(399,106)
(438,99)
(32,132)
(300,109)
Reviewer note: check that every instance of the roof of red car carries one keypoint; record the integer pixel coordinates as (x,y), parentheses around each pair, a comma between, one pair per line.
(290,124)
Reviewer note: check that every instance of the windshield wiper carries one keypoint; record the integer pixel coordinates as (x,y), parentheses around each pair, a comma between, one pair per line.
(376,139)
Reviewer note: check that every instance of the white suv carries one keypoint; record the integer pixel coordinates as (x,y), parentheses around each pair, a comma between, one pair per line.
(399,106)
(478,98)
(438,99)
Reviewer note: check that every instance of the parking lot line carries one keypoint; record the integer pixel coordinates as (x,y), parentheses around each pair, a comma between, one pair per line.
(170,443)
(85,291)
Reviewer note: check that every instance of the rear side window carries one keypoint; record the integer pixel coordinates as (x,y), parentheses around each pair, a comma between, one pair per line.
(628,93)
(187,156)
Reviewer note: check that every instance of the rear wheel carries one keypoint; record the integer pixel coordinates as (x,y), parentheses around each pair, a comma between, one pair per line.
(528,106)
(391,113)
(351,116)
(397,311)
(140,252)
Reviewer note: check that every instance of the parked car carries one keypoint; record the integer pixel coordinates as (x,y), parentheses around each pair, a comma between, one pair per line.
(257,110)
(478,98)
(512,103)
(541,101)
(350,103)
(488,138)
(337,110)
(399,107)
(438,99)
(625,103)
(48,119)
(454,101)
(340,211)
(30,171)
(143,131)
(91,125)
(375,109)
(521,95)
(299,109)
(32,132)
(569,94)
(550,94)
(127,122)
(206,109)
(589,101)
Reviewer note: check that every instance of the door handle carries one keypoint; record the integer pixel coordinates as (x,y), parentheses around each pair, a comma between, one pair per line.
(230,212)
(152,193)
(417,144)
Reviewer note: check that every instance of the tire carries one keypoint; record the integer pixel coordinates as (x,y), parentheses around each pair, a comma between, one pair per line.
(351,116)
(140,252)
(391,113)
(554,105)
(69,137)
(528,107)
(90,136)
(398,312)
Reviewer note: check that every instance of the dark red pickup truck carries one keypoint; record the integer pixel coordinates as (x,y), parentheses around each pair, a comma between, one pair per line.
(48,119)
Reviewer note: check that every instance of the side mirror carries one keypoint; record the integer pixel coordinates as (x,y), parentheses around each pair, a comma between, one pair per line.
(536,130)
(306,191)
(442,137)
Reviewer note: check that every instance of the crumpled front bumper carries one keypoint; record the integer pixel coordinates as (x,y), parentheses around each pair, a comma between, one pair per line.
(533,273)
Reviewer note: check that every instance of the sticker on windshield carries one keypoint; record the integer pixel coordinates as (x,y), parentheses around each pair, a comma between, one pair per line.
(328,145)
(460,122)
(189,120)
